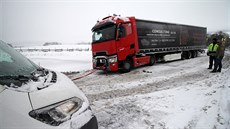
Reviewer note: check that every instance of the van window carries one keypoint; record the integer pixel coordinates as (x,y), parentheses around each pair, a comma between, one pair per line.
(12,63)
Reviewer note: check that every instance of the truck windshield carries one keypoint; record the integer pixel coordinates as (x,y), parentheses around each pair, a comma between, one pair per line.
(104,34)
(12,63)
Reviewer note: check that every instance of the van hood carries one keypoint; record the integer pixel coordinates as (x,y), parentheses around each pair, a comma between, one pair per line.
(104,48)
(63,89)
(2,88)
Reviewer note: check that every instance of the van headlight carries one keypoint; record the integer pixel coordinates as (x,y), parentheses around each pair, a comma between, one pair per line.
(112,59)
(57,113)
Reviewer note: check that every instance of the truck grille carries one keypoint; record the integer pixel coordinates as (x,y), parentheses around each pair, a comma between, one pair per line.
(101,62)
(100,53)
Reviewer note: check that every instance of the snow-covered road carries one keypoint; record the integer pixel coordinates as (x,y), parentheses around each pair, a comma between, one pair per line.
(174,95)
(178,94)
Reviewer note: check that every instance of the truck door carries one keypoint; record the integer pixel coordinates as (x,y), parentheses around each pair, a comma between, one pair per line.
(125,42)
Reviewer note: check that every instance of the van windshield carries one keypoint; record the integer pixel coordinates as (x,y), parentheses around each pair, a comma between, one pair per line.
(12,63)
(104,34)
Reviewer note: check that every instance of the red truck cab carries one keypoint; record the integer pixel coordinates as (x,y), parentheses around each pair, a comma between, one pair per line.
(115,44)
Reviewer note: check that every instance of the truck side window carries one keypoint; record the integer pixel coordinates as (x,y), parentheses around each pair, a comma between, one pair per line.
(125,30)
(128,28)
(122,31)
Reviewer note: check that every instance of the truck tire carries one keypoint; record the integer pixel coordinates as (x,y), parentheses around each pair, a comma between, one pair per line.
(152,60)
(189,54)
(183,55)
(194,54)
(126,66)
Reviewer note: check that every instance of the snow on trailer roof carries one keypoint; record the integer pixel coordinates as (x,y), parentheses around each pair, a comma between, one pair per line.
(113,19)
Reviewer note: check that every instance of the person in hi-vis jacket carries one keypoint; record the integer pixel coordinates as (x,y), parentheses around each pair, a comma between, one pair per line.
(219,56)
(212,52)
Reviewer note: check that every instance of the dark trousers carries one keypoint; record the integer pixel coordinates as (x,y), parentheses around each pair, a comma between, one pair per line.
(211,60)
(218,63)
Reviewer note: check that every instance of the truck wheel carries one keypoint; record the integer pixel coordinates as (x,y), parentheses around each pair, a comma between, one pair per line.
(195,53)
(183,55)
(126,66)
(189,55)
(152,60)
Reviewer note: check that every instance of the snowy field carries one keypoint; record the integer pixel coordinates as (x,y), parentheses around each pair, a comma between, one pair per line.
(66,58)
(178,94)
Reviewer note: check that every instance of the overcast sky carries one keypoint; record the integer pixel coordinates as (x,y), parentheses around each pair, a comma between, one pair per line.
(70,21)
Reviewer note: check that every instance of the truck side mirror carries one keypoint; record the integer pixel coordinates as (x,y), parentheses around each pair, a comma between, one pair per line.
(121,31)
(118,36)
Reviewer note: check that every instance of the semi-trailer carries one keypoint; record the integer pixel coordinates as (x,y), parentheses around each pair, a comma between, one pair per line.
(126,42)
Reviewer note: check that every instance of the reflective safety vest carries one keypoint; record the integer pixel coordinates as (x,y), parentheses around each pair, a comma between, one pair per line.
(212,48)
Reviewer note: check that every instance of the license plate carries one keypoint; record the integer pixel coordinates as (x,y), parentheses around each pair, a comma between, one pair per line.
(102,61)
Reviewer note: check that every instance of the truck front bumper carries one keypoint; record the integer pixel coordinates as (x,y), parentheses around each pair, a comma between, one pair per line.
(105,63)
(107,67)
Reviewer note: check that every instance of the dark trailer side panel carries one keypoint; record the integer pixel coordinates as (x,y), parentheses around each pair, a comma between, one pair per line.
(164,35)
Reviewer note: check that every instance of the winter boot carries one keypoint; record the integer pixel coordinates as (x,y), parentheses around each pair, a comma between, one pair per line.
(214,71)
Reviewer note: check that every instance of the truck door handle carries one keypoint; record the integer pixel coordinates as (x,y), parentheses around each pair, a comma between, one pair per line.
(121,49)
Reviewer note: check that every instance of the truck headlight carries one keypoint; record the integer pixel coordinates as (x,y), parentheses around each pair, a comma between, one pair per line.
(94,60)
(57,113)
(112,59)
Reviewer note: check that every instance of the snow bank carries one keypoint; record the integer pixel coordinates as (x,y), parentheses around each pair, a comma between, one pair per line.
(193,98)
(62,61)
(199,105)
(172,95)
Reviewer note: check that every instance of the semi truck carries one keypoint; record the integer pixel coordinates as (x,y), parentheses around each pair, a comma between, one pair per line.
(123,43)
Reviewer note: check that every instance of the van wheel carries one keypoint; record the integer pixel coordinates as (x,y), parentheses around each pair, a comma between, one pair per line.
(152,60)
(126,66)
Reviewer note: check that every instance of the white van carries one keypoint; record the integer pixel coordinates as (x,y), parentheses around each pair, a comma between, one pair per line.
(32,97)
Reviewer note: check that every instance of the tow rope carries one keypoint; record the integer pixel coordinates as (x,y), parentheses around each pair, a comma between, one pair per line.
(92,71)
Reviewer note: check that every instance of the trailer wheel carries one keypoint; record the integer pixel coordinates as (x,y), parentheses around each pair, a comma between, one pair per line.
(189,55)
(152,60)
(194,54)
(183,55)
(126,66)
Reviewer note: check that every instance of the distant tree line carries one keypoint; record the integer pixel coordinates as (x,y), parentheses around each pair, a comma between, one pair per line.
(51,50)
(58,43)
(51,43)
(224,37)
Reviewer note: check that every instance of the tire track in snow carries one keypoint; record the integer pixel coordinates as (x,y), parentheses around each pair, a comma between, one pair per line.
(148,88)
(101,86)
